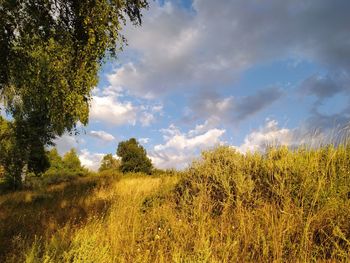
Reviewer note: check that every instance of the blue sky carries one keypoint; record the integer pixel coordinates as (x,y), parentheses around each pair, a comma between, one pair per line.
(202,73)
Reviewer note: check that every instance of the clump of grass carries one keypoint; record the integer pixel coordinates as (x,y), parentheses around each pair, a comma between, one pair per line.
(279,206)
(283,205)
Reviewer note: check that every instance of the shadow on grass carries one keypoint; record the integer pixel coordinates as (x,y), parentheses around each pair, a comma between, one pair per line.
(27,215)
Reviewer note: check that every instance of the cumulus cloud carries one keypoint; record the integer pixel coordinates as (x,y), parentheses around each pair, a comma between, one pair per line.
(108,109)
(109,105)
(180,148)
(102,135)
(210,46)
(90,160)
(147,118)
(205,50)
(268,135)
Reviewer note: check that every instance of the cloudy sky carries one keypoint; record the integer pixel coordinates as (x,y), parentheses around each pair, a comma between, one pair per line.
(200,73)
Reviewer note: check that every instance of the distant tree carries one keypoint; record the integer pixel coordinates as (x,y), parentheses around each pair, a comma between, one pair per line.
(71,161)
(108,162)
(133,157)
(69,165)
(56,163)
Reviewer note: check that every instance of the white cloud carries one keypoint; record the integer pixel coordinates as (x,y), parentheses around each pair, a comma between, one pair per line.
(158,108)
(110,106)
(200,128)
(144,140)
(90,160)
(269,135)
(172,130)
(110,110)
(147,118)
(183,141)
(148,114)
(104,136)
(180,149)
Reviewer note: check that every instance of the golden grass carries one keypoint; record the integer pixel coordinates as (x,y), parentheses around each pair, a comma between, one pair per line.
(283,206)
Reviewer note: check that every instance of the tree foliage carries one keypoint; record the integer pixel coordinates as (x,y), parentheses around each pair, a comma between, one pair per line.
(71,161)
(50,53)
(133,157)
(69,165)
(7,153)
(6,139)
(56,163)
(20,145)
(108,162)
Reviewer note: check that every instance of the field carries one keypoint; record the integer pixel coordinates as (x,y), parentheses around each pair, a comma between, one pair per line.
(282,206)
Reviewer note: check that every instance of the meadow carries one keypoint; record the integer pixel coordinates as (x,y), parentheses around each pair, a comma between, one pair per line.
(280,206)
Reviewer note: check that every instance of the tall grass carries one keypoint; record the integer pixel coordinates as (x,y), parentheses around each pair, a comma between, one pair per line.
(280,206)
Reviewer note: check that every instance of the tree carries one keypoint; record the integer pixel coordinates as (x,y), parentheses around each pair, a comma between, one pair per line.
(8,156)
(30,141)
(68,166)
(56,163)
(71,161)
(6,140)
(133,157)
(50,53)
(21,146)
(109,163)
(55,159)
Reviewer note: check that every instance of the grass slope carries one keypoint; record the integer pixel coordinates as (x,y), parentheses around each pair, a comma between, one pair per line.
(282,206)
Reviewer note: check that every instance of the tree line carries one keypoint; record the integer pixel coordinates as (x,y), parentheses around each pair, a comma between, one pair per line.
(48,163)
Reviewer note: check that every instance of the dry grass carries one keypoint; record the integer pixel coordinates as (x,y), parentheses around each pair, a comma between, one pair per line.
(284,206)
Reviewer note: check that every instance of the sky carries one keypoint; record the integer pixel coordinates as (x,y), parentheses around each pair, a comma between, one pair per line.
(202,73)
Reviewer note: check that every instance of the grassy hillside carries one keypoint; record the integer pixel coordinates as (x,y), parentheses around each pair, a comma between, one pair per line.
(282,206)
